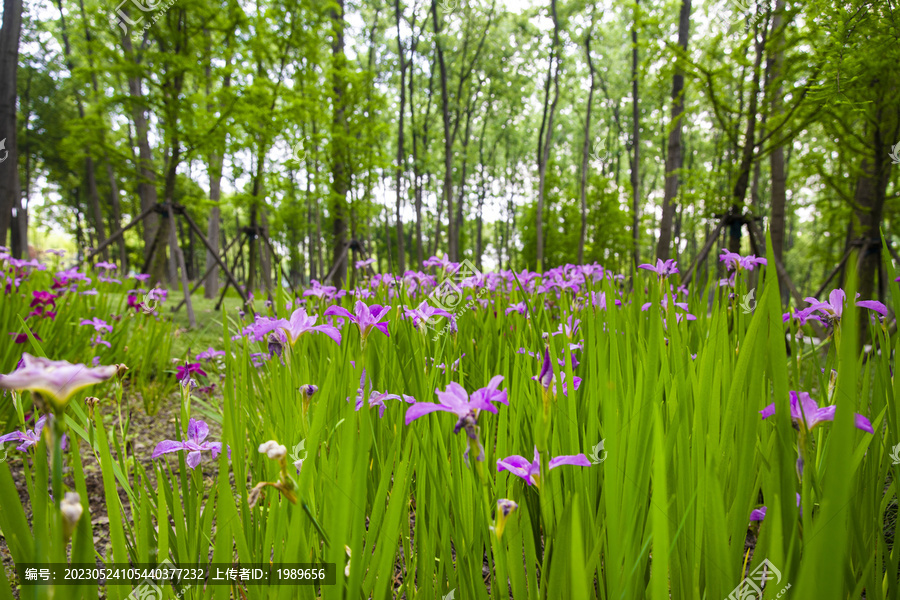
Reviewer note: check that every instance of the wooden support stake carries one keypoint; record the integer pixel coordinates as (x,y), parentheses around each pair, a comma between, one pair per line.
(710,241)
(222,265)
(834,272)
(205,275)
(237,256)
(280,267)
(178,257)
(115,236)
(783,275)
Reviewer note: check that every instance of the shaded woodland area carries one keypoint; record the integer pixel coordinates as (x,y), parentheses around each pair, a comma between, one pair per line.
(515,136)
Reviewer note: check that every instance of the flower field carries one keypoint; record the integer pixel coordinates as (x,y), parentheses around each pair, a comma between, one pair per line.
(572,434)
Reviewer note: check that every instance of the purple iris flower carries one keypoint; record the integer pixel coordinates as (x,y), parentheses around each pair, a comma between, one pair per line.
(43,298)
(664,303)
(662,268)
(758,514)
(834,308)
(64,277)
(434,261)
(454,366)
(27,438)
(569,328)
(456,400)
(362,264)
(194,445)
(736,262)
(262,326)
(531,471)
(547,378)
(23,337)
(520,308)
(141,276)
(158,294)
(802,405)
(106,266)
(802,316)
(210,353)
(425,313)
(98,340)
(20,263)
(185,371)
(320,291)
(301,323)
(98,324)
(366,317)
(41,311)
(375,398)
(57,379)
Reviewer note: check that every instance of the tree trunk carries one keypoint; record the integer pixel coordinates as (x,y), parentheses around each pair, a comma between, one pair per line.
(635,142)
(90,171)
(216,160)
(146,173)
(114,201)
(482,194)
(586,148)
(339,129)
(544,142)
(776,158)
(869,198)
(400,154)
(417,168)
(674,155)
(10,191)
(447,192)
(162,234)
(460,200)
(748,153)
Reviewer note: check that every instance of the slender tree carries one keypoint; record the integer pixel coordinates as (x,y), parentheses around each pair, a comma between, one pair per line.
(586,147)
(635,140)
(674,155)
(10,192)
(545,137)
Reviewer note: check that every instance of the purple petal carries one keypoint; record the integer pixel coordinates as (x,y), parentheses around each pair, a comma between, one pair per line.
(215,448)
(15,436)
(864,423)
(758,514)
(578,460)
(517,465)
(420,409)
(836,298)
(166,446)
(330,331)
(383,327)
(455,398)
(338,311)
(193,459)
(768,411)
(197,430)
(875,305)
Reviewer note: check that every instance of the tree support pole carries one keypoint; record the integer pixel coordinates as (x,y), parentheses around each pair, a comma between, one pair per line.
(177,259)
